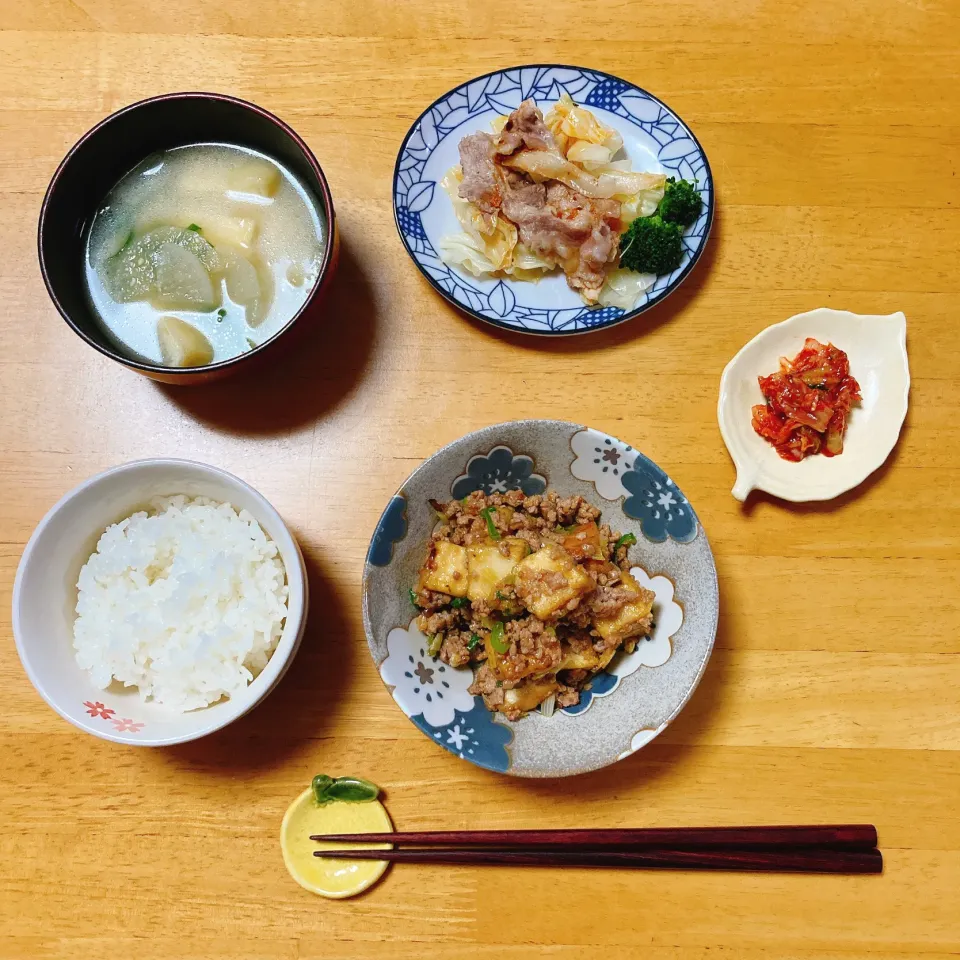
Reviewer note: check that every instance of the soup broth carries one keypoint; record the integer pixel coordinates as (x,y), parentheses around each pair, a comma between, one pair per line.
(201,253)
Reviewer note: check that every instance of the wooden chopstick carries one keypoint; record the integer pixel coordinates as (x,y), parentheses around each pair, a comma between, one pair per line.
(807,860)
(837,836)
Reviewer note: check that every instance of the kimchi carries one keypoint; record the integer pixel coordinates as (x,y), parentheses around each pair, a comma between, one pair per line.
(808,401)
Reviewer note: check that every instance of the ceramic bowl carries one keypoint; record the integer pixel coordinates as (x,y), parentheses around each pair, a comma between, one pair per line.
(45,597)
(655,140)
(639,694)
(877,348)
(113,148)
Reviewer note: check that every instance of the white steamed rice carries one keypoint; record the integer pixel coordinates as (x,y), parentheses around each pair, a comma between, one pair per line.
(186,602)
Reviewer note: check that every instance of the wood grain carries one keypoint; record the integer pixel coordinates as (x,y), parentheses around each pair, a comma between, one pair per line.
(832,128)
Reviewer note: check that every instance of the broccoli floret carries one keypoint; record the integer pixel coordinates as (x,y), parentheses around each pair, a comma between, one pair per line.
(681,203)
(651,245)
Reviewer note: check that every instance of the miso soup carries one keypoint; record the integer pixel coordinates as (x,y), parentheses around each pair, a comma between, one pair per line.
(201,253)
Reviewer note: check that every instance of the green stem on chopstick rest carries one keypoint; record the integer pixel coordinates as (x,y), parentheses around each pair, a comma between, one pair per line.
(346,789)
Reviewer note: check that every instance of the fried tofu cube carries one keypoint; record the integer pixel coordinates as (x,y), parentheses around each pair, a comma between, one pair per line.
(490,564)
(588,659)
(528,695)
(445,569)
(548,580)
(583,542)
(634,618)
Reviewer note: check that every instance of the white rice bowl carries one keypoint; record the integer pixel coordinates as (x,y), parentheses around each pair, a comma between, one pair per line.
(186,602)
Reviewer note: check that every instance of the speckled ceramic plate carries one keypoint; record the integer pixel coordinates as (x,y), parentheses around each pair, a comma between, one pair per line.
(655,140)
(639,694)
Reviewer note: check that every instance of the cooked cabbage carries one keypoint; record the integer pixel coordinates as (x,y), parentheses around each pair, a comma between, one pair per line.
(582,152)
(527,265)
(617,185)
(566,121)
(642,204)
(624,287)
(462,250)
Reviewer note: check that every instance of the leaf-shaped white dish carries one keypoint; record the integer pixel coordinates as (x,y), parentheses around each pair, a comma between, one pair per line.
(877,348)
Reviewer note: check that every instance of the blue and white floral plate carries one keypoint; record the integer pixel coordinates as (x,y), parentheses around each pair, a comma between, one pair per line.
(638,694)
(655,139)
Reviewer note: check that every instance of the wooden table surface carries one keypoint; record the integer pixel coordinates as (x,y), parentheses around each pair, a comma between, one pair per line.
(832,128)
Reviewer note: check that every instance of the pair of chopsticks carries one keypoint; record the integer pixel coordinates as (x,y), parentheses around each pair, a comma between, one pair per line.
(838,848)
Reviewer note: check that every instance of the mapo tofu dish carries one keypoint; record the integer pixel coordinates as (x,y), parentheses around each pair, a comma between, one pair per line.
(533,591)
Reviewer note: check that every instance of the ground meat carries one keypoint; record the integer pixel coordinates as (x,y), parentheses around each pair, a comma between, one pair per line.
(454,650)
(608,537)
(604,572)
(620,556)
(431,624)
(607,602)
(481,609)
(567,697)
(430,600)
(587,512)
(578,641)
(533,649)
(581,617)
(532,537)
(486,685)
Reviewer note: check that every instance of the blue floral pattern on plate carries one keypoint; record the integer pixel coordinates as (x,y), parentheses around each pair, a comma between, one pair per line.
(436,697)
(656,501)
(473,736)
(498,472)
(391,529)
(602,684)
(470,107)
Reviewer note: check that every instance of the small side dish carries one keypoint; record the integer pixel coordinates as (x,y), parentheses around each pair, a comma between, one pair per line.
(542,193)
(532,590)
(807,402)
(865,389)
(202,253)
(185,601)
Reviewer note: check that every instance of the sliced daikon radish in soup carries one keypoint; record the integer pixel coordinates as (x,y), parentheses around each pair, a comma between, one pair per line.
(120,239)
(259,309)
(257,177)
(243,282)
(182,281)
(181,344)
(131,274)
